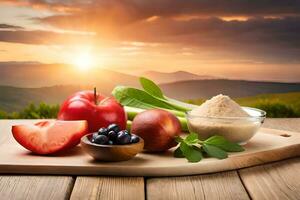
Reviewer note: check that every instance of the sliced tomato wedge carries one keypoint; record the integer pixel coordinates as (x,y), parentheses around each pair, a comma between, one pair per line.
(48,137)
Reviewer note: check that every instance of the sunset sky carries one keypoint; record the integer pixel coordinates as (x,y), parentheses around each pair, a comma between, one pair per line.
(256,40)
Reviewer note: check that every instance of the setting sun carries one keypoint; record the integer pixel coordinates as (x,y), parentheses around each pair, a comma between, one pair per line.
(83,61)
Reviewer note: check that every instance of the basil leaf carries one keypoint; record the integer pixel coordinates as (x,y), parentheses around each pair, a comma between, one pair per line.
(195,155)
(185,148)
(178,153)
(224,144)
(178,139)
(192,154)
(192,138)
(150,87)
(214,151)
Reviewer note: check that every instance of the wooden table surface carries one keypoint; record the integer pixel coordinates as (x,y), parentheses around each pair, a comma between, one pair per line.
(279,180)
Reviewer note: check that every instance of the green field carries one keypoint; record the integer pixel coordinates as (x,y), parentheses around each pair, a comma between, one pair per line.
(41,111)
(276,105)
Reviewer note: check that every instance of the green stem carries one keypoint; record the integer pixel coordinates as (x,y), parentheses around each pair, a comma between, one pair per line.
(201,142)
(183,123)
(129,123)
(177,113)
(186,105)
(132,112)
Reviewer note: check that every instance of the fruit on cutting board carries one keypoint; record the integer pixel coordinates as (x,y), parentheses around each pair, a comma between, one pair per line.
(48,137)
(98,110)
(158,128)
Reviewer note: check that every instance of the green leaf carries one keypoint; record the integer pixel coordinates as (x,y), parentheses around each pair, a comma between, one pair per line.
(153,89)
(195,155)
(178,139)
(150,87)
(138,98)
(192,154)
(192,138)
(214,151)
(178,153)
(141,99)
(185,148)
(224,144)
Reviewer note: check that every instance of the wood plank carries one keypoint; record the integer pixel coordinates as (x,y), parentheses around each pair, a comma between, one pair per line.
(35,187)
(108,188)
(280,180)
(225,185)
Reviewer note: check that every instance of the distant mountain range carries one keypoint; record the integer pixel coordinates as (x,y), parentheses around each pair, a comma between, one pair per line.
(234,88)
(13,98)
(161,77)
(33,82)
(33,75)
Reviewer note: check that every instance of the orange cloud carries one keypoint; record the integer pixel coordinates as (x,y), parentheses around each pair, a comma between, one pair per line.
(41,37)
(220,27)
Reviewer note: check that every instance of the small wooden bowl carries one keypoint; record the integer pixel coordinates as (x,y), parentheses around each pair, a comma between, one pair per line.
(111,152)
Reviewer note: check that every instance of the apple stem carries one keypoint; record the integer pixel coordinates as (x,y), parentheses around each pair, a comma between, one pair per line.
(95,96)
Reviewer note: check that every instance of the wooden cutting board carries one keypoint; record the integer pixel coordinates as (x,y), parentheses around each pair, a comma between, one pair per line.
(266,146)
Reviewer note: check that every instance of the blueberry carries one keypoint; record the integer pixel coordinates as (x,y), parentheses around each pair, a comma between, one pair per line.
(100,139)
(113,127)
(94,135)
(112,135)
(122,132)
(134,139)
(110,142)
(123,138)
(103,131)
(127,132)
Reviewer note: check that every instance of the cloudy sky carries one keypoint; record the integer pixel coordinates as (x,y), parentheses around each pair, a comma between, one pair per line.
(257,39)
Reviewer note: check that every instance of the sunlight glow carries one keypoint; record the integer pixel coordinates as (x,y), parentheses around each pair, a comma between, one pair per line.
(84,61)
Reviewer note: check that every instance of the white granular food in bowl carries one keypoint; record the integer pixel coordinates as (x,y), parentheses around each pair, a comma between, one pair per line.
(220,106)
(220,116)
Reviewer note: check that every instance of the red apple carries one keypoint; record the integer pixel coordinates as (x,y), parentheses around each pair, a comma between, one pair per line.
(158,128)
(99,111)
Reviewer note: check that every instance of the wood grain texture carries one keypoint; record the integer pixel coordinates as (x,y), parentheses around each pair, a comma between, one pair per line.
(225,185)
(289,124)
(35,187)
(108,188)
(280,180)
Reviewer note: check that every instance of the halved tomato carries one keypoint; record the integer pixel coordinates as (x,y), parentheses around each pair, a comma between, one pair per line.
(47,137)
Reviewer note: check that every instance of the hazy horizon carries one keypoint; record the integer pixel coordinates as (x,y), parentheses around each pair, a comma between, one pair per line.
(32,74)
